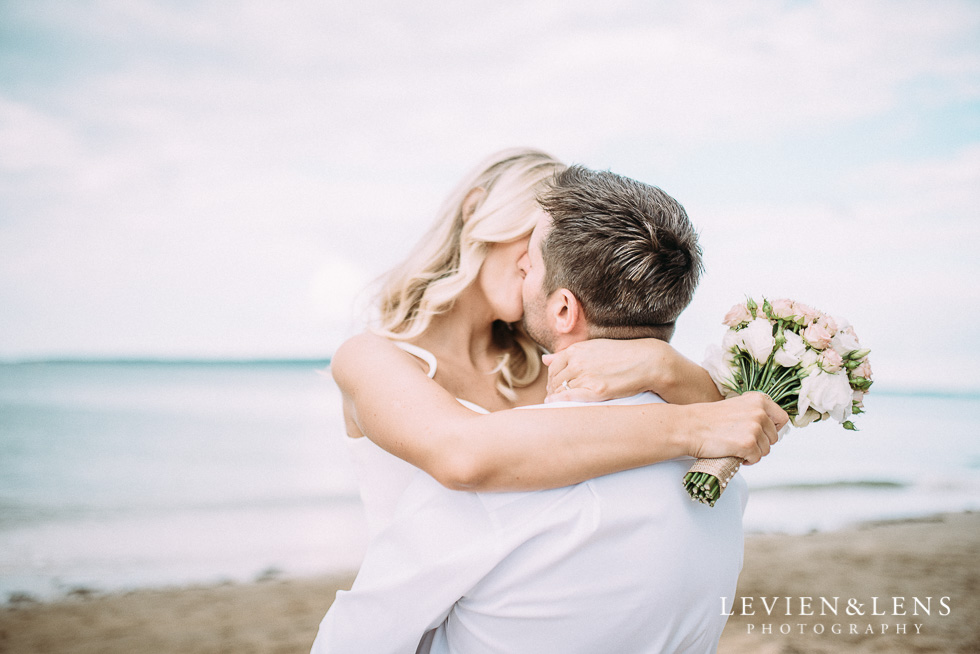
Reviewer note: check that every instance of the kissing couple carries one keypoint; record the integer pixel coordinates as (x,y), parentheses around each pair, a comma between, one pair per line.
(521,428)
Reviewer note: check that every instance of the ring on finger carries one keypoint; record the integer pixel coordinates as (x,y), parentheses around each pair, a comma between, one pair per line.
(564,385)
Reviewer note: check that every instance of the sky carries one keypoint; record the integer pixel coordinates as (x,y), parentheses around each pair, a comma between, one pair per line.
(223,179)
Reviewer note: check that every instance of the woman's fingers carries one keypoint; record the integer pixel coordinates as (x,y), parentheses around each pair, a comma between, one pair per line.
(778,418)
(557,371)
(767,436)
(768,419)
(572,378)
(745,426)
(570,386)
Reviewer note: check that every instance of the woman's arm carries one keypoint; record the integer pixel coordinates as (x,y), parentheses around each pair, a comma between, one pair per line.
(603,369)
(390,400)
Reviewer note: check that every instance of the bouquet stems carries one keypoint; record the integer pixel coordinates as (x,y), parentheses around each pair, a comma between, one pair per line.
(708,478)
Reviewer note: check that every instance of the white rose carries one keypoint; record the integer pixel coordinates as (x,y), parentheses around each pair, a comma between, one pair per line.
(805,419)
(844,341)
(809,359)
(729,340)
(826,393)
(718,363)
(792,351)
(757,339)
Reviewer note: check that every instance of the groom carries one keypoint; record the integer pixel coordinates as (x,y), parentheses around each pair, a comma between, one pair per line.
(622,563)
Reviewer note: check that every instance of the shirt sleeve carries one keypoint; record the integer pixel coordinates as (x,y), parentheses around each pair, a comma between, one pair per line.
(438,546)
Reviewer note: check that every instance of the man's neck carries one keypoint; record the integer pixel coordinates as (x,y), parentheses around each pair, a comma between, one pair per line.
(562,341)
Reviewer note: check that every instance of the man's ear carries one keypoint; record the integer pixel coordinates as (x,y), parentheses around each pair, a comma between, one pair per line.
(472,201)
(567,314)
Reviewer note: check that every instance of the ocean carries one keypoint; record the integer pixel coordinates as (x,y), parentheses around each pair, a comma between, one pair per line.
(125,475)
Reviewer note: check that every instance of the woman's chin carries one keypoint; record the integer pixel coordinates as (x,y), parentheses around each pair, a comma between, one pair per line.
(511,318)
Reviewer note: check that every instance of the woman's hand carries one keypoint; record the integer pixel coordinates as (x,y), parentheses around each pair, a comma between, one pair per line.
(744,426)
(603,369)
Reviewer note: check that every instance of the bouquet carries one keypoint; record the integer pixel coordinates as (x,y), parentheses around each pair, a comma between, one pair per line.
(809,363)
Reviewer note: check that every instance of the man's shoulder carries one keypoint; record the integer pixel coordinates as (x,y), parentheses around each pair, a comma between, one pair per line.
(645,397)
(640,398)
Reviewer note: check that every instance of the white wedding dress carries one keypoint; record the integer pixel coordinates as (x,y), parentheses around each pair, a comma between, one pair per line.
(382,476)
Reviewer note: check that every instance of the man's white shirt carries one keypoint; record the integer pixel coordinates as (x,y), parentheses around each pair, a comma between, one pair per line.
(622,563)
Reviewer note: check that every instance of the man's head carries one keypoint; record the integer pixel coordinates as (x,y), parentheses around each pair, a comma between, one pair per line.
(610,257)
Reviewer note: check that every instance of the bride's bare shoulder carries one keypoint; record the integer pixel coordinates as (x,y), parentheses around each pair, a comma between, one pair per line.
(356,349)
(368,354)
(365,341)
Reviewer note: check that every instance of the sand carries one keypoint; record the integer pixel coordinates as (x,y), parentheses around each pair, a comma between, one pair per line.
(936,558)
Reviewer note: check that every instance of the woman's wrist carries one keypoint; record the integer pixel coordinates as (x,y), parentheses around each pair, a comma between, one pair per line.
(681,381)
(662,380)
(672,431)
(668,373)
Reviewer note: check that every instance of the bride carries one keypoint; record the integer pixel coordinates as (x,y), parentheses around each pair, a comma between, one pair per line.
(430,386)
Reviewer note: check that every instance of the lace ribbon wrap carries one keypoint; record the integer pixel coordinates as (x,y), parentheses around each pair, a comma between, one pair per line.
(707,479)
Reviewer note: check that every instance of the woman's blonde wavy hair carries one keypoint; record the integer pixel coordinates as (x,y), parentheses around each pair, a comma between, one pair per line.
(450,255)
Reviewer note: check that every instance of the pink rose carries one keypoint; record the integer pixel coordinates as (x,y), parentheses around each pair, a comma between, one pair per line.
(737,315)
(783,308)
(817,336)
(830,361)
(863,370)
(827,323)
(805,314)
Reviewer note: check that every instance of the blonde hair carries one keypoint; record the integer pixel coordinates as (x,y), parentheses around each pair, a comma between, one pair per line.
(449,257)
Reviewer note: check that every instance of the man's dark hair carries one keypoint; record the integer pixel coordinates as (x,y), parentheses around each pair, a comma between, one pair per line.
(627,250)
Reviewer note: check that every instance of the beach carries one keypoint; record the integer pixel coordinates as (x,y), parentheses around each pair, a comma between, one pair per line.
(210,507)
(934,557)
(906,565)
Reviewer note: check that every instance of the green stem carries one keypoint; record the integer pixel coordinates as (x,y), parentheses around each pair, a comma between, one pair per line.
(768,370)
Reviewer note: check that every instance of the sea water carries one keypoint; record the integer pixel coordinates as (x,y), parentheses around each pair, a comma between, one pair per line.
(125,475)
(115,476)
(915,454)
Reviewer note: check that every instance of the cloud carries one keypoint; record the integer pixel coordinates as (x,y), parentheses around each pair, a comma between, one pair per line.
(894,254)
(31,140)
(934,192)
(225,164)
(383,83)
(687,74)
(901,227)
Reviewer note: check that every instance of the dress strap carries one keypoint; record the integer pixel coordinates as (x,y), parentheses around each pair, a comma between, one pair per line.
(421,353)
(472,406)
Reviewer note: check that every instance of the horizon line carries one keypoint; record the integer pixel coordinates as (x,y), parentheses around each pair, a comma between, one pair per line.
(163,360)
